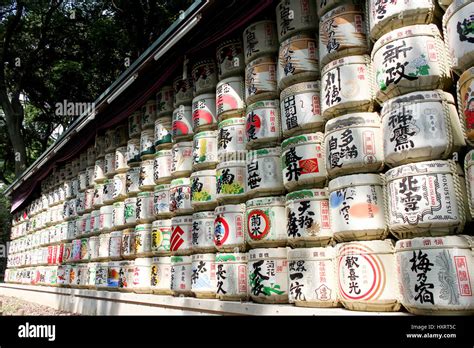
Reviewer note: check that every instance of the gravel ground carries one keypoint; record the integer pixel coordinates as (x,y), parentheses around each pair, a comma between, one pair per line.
(16,306)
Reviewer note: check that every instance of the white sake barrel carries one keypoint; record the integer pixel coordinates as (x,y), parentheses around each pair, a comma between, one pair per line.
(230,98)
(127,247)
(121,165)
(204,75)
(323,6)
(308,219)
(98,199)
(203,278)
(118,215)
(101,274)
(95,222)
(144,209)
(231,276)
(113,275)
(231,137)
(426,198)
(120,187)
(264,175)
(108,192)
(205,150)
(435,275)
(148,111)
(130,211)
(133,152)
(161,201)
(181,271)
(133,178)
(182,124)
(203,190)
(134,122)
(82,178)
(469,173)
(163,133)
(204,112)
(105,218)
(260,38)
(143,240)
(264,219)
(458,34)
(126,275)
(229,227)
(420,126)
(311,277)
(162,166)
(300,108)
(388,16)
(164,101)
(181,235)
(408,59)
(230,58)
(85,252)
(99,174)
(298,60)
(115,245)
(465,99)
(231,181)
(263,126)
(180,196)
(93,248)
(261,79)
(147,144)
(182,157)
(183,90)
(89,197)
(89,179)
(63,275)
(146,179)
(354,144)
(91,274)
(356,205)
(203,232)
(161,275)
(268,275)
(294,16)
(365,272)
(302,161)
(160,237)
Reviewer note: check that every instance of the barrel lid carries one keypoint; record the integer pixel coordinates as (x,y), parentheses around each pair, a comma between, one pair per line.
(368,119)
(458,241)
(336,63)
(133,141)
(180,78)
(162,187)
(95,212)
(354,180)
(204,257)
(204,96)
(232,122)
(180,259)
(163,119)
(469,159)
(144,194)
(229,80)
(113,264)
(142,227)
(420,168)
(203,215)
(116,234)
(231,257)
(365,247)
(302,87)
(106,209)
(180,182)
(162,259)
(186,108)
(263,201)
(340,10)
(263,104)
(131,200)
(208,172)
(300,36)
(264,253)
(269,151)
(455,6)
(230,208)
(133,169)
(162,153)
(417,97)
(128,263)
(466,76)
(181,219)
(128,231)
(146,163)
(316,138)
(205,134)
(91,238)
(267,59)
(143,261)
(312,253)
(183,144)
(161,223)
(226,164)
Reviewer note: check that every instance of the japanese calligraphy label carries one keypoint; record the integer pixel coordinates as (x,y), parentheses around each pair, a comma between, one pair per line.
(203,276)
(182,126)
(418,126)
(203,189)
(163,131)
(302,161)
(105,217)
(148,114)
(230,180)
(205,150)
(133,152)
(142,275)
(181,235)
(435,274)
(263,123)
(162,166)
(126,273)
(181,271)
(294,16)
(128,243)
(311,277)
(130,211)
(465,99)
(261,79)
(204,77)
(160,236)
(365,275)
(118,214)
(164,101)
(182,155)
(264,174)
(353,143)
(63,274)
(146,180)
(147,143)
(115,245)
(231,137)
(161,200)
(144,209)
(230,98)
(204,112)
(133,177)
(229,227)
(113,269)
(260,39)
(424,197)
(458,25)
(134,128)
(409,59)
(93,247)
(342,32)
(231,276)
(161,275)
(183,91)
(143,240)
(356,205)
(297,60)
(268,275)
(469,176)
(180,196)
(264,220)
(203,231)
(307,218)
(230,58)
(107,196)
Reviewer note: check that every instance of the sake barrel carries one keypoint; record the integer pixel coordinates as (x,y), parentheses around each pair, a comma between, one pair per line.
(459,36)
(90,156)
(144,209)
(163,132)
(465,99)
(469,173)
(203,276)
(231,276)
(134,124)
(353,144)
(99,174)
(203,189)
(261,79)
(164,101)
(126,274)
(388,16)
(311,277)
(300,108)
(160,237)
(425,198)
(133,152)
(94,248)
(142,275)
(410,59)
(109,140)
(95,223)
(420,126)
(365,272)
(182,126)
(205,150)
(203,232)
(130,211)
(120,187)
(204,113)
(89,179)
(181,235)
(85,252)
(146,179)
(115,245)
(133,179)
(121,165)
(148,116)
(231,137)
(444,4)
(268,275)
(204,75)
(147,144)
(230,98)
(230,58)
(181,271)
(264,175)
(89,197)
(302,161)
(297,60)
(182,159)
(120,136)
(105,218)
(230,181)
(308,221)
(229,227)
(108,192)
(143,240)
(161,275)
(128,243)
(113,275)
(162,166)
(82,178)
(82,162)
(101,275)
(183,90)
(180,196)
(263,126)
(99,152)
(435,274)
(161,201)
(118,215)
(260,38)
(294,16)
